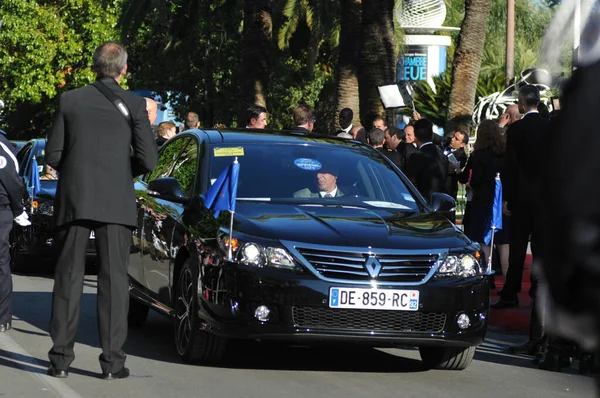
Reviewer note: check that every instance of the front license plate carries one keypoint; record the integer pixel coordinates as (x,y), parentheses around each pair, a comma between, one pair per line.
(376,299)
(92,235)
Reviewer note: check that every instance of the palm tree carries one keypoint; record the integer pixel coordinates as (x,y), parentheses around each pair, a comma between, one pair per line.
(349,49)
(377,60)
(257,48)
(467,58)
(321,20)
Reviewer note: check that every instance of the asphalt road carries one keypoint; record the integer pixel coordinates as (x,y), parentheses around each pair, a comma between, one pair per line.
(253,369)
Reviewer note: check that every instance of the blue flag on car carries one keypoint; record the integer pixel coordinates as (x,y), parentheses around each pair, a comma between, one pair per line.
(222,194)
(496,221)
(34,179)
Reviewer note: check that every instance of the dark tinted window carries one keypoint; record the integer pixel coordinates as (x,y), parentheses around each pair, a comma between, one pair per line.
(167,159)
(185,168)
(291,172)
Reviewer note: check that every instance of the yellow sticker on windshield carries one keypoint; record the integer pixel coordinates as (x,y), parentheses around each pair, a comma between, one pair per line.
(230,151)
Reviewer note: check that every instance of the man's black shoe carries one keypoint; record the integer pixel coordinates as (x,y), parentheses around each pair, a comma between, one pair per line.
(531,347)
(121,374)
(503,304)
(60,374)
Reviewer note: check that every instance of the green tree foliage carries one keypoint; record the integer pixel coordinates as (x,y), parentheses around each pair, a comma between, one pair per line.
(531,19)
(189,52)
(47,48)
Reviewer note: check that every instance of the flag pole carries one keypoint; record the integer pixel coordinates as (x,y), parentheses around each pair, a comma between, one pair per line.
(489,265)
(32,198)
(231,212)
(230,249)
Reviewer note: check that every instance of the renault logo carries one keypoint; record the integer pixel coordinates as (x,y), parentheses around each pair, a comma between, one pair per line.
(373,266)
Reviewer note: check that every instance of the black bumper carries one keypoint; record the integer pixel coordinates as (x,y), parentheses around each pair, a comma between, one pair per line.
(300,311)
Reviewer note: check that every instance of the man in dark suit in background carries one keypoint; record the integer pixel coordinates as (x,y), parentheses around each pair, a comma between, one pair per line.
(428,167)
(96,149)
(522,190)
(304,118)
(459,128)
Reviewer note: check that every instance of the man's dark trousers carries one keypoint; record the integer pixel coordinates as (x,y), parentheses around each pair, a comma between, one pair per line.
(6,224)
(524,221)
(112,245)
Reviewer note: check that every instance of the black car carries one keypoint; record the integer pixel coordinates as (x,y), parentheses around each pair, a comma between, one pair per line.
(372,264)
(37,240)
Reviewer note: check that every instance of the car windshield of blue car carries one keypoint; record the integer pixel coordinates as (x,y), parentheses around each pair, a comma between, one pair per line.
(314,174)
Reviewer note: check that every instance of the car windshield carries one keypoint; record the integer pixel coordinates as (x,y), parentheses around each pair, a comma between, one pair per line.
(314,174)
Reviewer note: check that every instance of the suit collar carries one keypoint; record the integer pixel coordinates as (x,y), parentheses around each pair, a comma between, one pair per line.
(109,81)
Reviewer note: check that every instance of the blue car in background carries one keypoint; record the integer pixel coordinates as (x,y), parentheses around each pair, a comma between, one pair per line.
(38,239)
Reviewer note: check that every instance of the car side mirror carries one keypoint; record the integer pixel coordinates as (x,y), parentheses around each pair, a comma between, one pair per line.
(442,203)
(168,189)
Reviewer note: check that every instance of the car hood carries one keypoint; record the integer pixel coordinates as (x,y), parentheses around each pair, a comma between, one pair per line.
(348,226)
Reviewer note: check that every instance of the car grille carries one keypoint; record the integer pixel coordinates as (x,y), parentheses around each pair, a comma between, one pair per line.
(368,320)
(351,265)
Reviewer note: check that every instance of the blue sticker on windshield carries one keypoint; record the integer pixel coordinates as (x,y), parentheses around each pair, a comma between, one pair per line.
(308,164)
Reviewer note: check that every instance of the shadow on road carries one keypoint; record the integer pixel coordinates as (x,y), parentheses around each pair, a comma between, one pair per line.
(34,365)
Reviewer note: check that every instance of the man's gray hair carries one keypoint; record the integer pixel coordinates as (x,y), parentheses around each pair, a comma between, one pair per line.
(376,136)
(109,59)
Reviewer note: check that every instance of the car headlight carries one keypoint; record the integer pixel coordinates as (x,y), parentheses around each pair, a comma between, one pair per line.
(254,254)
(257,254)
(462,265)
(251,254)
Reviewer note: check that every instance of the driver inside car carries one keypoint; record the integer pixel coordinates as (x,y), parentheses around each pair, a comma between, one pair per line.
(326,181)
(49,173)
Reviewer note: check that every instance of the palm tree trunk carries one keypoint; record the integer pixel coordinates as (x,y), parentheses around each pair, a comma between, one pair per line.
(377,63)
(467,57)
(349,48)
(256,54)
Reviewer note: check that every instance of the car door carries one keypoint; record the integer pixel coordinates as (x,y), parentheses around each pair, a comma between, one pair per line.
(135,268)
(161,216)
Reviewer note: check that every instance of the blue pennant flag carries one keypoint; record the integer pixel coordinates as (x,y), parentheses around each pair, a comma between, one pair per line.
(34,179)
(496,221)
(222,194)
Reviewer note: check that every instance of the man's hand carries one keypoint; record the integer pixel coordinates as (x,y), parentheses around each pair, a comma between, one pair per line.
(23,220)
(416,115)
(505,210)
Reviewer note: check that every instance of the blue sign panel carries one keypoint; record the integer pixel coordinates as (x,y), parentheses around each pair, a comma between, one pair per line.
(413,65)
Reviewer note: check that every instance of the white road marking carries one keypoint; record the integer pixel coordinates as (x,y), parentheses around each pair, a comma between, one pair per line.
(56,386)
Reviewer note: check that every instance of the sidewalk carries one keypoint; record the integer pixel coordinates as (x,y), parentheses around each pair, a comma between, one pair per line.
(513,319)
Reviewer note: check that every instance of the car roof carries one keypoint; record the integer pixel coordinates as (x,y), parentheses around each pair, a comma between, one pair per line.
(244,136)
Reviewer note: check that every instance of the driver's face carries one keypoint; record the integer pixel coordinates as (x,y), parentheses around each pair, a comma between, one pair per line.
(326,182)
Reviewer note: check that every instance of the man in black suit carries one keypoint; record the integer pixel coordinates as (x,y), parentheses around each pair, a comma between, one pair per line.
(345,120)
(428,167)
(455,152)
(393,140)
(407,147)
(97,152)
(304,118)
(522,190)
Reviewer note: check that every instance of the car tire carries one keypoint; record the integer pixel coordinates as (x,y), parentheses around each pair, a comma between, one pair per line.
(138,312)
(447,358)
(193,345)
